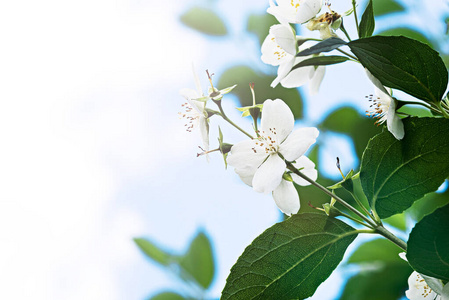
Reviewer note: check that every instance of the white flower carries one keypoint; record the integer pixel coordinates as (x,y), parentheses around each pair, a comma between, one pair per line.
(294,11)
(418,289)
(285,195)
(260,162)
(195,111)
(384,108)
(279,49)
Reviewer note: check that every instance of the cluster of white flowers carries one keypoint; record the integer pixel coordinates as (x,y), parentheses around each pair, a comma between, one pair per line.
(281,45)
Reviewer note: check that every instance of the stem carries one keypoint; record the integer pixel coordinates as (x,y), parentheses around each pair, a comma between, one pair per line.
(382,231)
(357,221)
(346,53)
(355,16)
(326,191)
(445,113)
(223,115)
(359,203)
(377,227)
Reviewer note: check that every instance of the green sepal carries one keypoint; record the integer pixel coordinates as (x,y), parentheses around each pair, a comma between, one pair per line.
(211,112)
(225,148)
(330,210)
(346,183)
(246,110)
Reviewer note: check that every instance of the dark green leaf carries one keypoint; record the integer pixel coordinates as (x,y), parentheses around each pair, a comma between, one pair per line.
(367,22)
(260,25)
(154,252)
(387,283)
(321,61)
(167,296)
(242,74)
(395,173)
(204,20)
(199,260)
(407,32)
(375,251)
(383,7)
(290,259)
(324,46)
(428,245)
(404,64)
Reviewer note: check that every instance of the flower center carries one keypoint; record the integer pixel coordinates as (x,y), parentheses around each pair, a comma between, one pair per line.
(267,142)
(378,108)
(420,282)
(295,4)
(191,116)
(279,53)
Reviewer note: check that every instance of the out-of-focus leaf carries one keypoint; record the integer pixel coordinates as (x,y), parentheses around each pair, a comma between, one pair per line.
(260,25)
(428,245)
(242,74)
(428,204)
(199,260)
(387,283)
(417,111)
(419,162)
(383,7)
(408,32)
(204,20)
(290,259)
(375,251)
(399,221)
(347,120)
(313,195)
(321,61)
(324,46)
(367,22)
(167,296)
(405,64)
(154,252)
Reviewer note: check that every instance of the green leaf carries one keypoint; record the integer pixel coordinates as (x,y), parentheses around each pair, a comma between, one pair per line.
(383,7)
(375,251)
(324,46)
(167,296)
(428,204)
(395,173)
(404,64)
(367,22)
(154,252)
(242,74)
(348,120)
(199,260)
(260,25)
(407,32)
(204,20)
(290,259)
(428,245)
(321,61)
(387,283)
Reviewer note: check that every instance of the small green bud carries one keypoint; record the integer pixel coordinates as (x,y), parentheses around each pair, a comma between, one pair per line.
(287,177)
(255,112)
(225,148)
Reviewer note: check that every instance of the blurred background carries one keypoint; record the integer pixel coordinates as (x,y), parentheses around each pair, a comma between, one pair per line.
(93,153)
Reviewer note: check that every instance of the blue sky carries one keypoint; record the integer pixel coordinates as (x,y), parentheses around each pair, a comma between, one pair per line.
(93,153)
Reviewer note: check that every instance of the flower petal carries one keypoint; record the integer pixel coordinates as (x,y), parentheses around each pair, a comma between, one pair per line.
(245,161)
(269,174)
(283,70)
(197,82)
(284,37)
(379,86)
(283,14)
(316,79)
(286,198)
(394,123)
(278,116)
(418,288)
(298,142)
(307,10)
(204,129)
(306,167)
(298,76)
